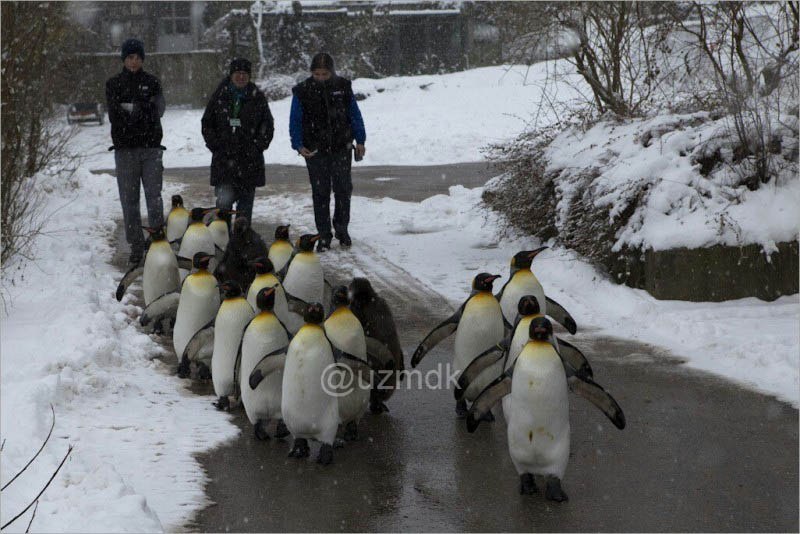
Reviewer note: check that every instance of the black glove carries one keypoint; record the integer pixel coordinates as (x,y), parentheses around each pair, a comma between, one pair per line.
(143,111)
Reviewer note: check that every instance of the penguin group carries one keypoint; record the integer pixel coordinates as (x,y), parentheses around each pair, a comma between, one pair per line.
(506,352)
(251,319)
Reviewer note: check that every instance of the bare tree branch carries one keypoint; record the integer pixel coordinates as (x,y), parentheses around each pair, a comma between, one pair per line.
(52,425)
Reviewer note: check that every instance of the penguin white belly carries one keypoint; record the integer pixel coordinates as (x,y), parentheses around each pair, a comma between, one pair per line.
(281,307)
(219,233)
(177,222)
(160,272)
(232,318)
(263,335)
(538,413)
(481,326)
(197,239)
(346,334)
(197,307)
(524,282)
(280,252)
(304,278)
(308,410)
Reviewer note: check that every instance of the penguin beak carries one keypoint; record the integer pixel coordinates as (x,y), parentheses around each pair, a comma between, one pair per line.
(494,277)
(536,252)
(315,238)
(270,291)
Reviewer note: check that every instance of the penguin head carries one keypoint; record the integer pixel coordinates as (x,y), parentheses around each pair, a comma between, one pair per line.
(177,201)
(484,281)
(340,297)
(224,214)
(314,313)
(282,233)
(528,305)
(524,258)
(240,226)
(306,242)
(262,265)
(541,329)
(197,214)
(201,260)
(231,289)
(156,234)
(361,290)
(265,299)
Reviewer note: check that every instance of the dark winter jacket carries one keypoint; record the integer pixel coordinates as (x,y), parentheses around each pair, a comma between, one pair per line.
(140,127)
(238,151)
(325,116)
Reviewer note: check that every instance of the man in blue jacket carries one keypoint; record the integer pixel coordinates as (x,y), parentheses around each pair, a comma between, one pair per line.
(323,122)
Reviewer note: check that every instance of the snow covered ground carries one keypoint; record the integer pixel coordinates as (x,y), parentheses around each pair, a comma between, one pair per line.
(67,342)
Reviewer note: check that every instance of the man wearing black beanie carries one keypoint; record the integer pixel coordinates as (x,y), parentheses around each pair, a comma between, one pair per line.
(237,127)
(135,105)
(323,122)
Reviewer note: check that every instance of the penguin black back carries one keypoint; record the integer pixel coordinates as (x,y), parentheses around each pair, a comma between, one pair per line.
(528,305)
(375,316)
(244,246)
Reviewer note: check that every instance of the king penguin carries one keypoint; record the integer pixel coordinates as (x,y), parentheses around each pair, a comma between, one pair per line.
(232,318)
(280,252)
(523,282)
(161,274)
(346,334)
(304,281)
(478,324)
(264,347)
(197,307)
(220,227)
(538,410)
(177,220)
(309,409)
(265,277)
(197,238)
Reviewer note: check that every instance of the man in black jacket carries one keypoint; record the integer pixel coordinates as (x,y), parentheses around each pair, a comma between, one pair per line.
(323,122)
(237,128)
(135,105)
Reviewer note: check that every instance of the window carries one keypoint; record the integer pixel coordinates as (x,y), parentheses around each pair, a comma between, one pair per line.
(175,18)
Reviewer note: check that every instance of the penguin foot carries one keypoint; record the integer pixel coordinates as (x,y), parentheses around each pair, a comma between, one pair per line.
(223,403)
(184,369)
(325,456)
(461,409)
(281,431)
(488,417)
(203,372)
(300,449)
(260,432)
(350,431)
(338,443)
(378,407)
(527,485)
(553,491)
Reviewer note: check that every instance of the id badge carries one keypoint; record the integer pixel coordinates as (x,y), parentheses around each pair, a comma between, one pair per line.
(235,123)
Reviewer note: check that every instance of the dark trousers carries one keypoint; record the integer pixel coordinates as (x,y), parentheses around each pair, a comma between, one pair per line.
(243,195)
(139,166)
(331,171)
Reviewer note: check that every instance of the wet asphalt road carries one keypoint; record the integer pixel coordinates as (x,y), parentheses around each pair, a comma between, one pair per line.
(698,453)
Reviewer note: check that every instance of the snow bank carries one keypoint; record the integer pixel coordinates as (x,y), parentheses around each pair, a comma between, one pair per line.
(66,341)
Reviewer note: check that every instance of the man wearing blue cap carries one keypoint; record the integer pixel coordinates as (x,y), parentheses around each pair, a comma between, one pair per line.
(135,105)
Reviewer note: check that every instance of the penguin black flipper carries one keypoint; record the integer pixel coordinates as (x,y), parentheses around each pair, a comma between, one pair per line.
(481,362)
(594,393)
(200,339)
(437,335)
(184,263)
(127,279)
(295,305)
(562,316)
(570,354)
(269,363)
(490,396)
(163,307)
